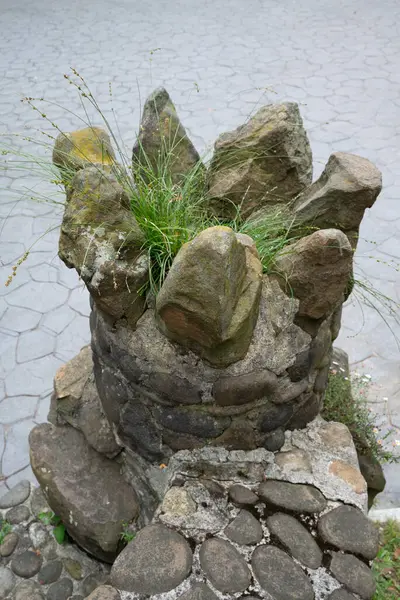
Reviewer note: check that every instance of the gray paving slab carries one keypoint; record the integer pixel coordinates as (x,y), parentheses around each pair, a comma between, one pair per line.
(219,60)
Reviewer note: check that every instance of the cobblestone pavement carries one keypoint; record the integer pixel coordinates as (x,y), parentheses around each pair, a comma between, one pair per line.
(219,60)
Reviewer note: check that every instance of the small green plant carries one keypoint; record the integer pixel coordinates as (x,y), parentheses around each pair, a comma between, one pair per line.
(386,566)
(5,529)
(127,535)
(346,402)
(49,518)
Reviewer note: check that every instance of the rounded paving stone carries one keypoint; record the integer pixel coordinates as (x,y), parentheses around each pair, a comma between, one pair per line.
(18,514)
(224,566)
(104,592)
(61,590)
(199,591)
(242,496)
(296,539)
(7,580)
(74,568)
(156,561)
(341,594)
(279,575)
(295,497)
(347,528)
(9,544)
(26,564)
(17,495)
(244,529)
(353,574)
(90,583)
(50,572)
(28,590)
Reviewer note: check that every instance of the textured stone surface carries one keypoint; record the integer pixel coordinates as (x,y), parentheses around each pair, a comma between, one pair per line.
(209,301)
(18,494)
(242,496)
(349,529)
(279,575)
(61,590)
(177,501)
(9,544)
(295,497)
(341,594)
(18,514)
(28,590)
(224,566)
(266,161)
(349,474)
(296,539)
(50,573)
(316,270)
(199,591)
(104,592)
(78,149)
(244,529)
(156,561)
(77,480)
(354,574)
(162,141)
(26,564)
(6,581)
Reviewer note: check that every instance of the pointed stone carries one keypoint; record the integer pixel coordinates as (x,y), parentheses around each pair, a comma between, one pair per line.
(265,162)
(163,141)
(316,270)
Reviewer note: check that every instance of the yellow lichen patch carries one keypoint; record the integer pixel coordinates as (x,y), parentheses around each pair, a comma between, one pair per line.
(91,144)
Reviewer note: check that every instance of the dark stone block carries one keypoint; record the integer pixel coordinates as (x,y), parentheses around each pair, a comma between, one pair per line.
(242,496)
(354,574)
(224,566)
(181,441)
(321,380)
(244,529)
(300,369)
(305,412)
(138,430)
(296,539)
(174,389)
(295,497)
(229,391)
(275,440)
(274,416)
(193,422)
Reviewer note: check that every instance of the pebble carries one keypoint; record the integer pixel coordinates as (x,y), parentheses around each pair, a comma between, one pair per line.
(74,568)
(244,529)
(50,572)
(295,497)
(17,495)
(242,496)
(7,580)
(26,564)
(61,590)
(224,566)
(9,544)
(296,538)
(28,590)
(18,514)
(354,574)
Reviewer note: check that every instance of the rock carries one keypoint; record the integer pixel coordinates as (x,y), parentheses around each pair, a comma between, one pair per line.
(244,529)
(50,572)
(341,594)
(61,590)
(372,471)
(301,367)
(210,299)
(104,592)
(17,495)
(340,362)
(224,566)
(75,401)
(174,389)
(316,270)
(296,539)
(101,239)
(38,502)
(229,391)
(177,501)
(26,564)
(294,461)
(73,475)
(354,574)
(92,582)
(28,590)
(348,529)
(7,581)
(9,544)
(272,416)
(279,575)
(335,436)
(242,496)
(295,497)
(38,535)
(348,185)
(77,150)
(137,429)
(156,561)
(18,514)
(275,440)
(265,162)
(162,141)
(198,591)
(73,568)
(349,474)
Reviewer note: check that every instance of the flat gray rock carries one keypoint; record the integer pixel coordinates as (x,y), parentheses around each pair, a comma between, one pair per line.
(156,561)
(242,496)
(341,594)
(18,514)
(244,529)
(26,564)
(61,590)
(199,591)
(9,544)
(17,495)
(295,497)
(279,575)
(347,528)
(296,538)
(7,580)
(354,574)
(28,590)
(50,572)
(224,566)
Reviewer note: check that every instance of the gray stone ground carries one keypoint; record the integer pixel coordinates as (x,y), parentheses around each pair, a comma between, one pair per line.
(219,60)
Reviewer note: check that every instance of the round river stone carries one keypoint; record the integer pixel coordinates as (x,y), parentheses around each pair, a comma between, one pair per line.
(17,495)
(18,514)
(7,580)
(28,590)
(156,561)
(26,564)
(347,528)
(244,529)
(279,575)
(50,572)
(224,566)
(296,538)
(242,496)
(9,544)
(354,574)
(61,590)
(296,497)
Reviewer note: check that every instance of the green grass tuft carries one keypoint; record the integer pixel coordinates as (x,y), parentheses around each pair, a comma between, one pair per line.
(386,566)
